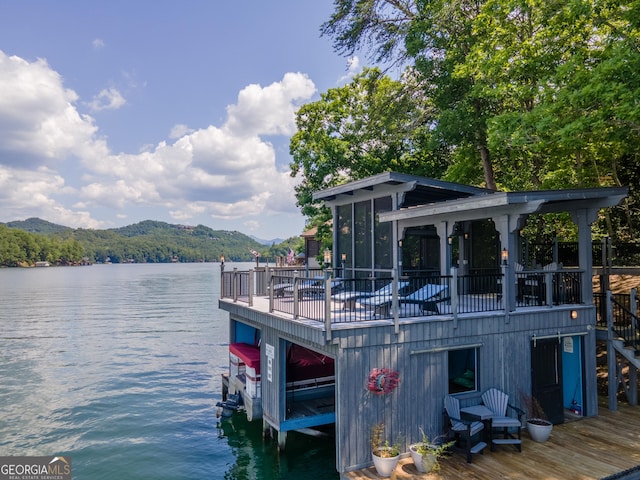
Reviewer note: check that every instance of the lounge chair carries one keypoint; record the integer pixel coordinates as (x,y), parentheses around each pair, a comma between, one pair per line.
(463,430)
(349,299)
(426,297)
(315,287)
(498,402)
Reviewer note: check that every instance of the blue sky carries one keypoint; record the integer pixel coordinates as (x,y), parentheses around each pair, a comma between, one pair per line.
(113,112)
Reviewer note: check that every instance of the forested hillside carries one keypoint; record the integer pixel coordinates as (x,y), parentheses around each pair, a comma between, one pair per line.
(32,240)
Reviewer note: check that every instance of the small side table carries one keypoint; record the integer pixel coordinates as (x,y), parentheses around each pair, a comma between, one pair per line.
(479,413)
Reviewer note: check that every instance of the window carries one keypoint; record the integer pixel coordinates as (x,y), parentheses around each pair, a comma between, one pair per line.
(345,236)
(362,234)
(383,234)
(463,367)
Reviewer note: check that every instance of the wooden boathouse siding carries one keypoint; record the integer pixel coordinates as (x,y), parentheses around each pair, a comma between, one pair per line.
(395,226)
(419,353)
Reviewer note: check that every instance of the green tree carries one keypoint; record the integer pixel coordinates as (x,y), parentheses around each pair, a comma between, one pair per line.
(371,125)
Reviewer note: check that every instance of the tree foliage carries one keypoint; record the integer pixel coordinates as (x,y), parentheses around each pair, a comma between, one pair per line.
(144,242)
(371,125)
(520,94)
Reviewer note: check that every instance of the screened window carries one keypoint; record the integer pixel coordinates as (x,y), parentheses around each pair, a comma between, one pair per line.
(362,234)
(345,234)
(383,235)
(463,368)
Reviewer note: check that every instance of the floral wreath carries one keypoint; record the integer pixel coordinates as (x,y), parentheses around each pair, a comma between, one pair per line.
(383,380)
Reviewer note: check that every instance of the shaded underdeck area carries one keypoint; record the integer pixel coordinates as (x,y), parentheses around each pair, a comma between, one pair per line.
(584,449)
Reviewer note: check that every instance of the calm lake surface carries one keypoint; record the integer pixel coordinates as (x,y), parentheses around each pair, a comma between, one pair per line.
(118,367)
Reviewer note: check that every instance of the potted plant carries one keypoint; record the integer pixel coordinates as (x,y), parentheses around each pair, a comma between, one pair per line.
(425,454)
(385,455)
(538,426)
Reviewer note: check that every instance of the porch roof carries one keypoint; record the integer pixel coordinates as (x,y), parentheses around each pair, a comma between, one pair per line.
(509,203)
(417,190)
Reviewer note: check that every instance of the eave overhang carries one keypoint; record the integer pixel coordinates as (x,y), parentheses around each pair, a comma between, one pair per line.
(510,203)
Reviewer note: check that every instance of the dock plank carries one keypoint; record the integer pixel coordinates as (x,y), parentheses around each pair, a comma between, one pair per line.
(584,449)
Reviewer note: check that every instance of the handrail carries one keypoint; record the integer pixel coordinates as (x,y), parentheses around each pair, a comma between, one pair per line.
(625,323)
(337,300)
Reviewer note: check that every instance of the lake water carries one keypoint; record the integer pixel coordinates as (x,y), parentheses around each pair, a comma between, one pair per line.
(118,367)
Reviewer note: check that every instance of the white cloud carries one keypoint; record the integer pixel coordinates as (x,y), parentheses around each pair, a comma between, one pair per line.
(98,43)
(38,119)
(353,68)
(107,99)
(269,110)
(180,130)
(54,164)
(224,172)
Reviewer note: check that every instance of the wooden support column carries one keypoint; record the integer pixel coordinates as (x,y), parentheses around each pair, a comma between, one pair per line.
(583,219)
(445,229)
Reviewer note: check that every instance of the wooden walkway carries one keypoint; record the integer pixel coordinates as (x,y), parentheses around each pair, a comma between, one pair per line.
(584,449)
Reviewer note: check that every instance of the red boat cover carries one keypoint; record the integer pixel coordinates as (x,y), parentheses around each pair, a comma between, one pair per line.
(303,364)
(249,354)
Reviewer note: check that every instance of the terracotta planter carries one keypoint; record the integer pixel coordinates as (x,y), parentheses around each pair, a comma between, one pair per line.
(539,430)
(385,465)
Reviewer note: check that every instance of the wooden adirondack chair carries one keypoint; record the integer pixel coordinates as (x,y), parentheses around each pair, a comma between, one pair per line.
(463,430)
(498,402)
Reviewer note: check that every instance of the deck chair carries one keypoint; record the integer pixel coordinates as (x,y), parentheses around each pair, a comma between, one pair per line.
(463,430)
(349,299)
(427,297)
(501,423)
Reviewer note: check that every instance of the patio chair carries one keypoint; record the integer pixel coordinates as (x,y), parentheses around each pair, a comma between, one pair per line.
(349,298)
(501,423)
(463,431)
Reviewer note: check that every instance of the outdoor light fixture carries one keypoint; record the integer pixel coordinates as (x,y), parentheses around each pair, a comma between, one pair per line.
(450,239)
(505,256)
(344,257)
(400,243)
(327,257)
(574,314)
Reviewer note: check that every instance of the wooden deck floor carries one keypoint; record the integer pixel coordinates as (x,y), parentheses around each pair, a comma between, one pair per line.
(584,449)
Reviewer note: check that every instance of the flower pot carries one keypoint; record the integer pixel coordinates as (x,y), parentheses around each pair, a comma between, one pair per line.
(423,463)
(385,465)
(539,430)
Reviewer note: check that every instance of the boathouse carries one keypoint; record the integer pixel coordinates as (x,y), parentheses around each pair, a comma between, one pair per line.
(428,292)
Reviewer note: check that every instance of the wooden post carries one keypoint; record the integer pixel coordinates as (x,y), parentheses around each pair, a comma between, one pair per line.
(454,295)
(395,303)
(296,306)
(632,395)
(327,309)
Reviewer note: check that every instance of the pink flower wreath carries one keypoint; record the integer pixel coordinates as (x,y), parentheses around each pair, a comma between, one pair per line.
(383,380)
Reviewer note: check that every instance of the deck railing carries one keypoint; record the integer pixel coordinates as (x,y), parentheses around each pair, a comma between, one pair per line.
(624,320)
(543,287)
(383,298)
